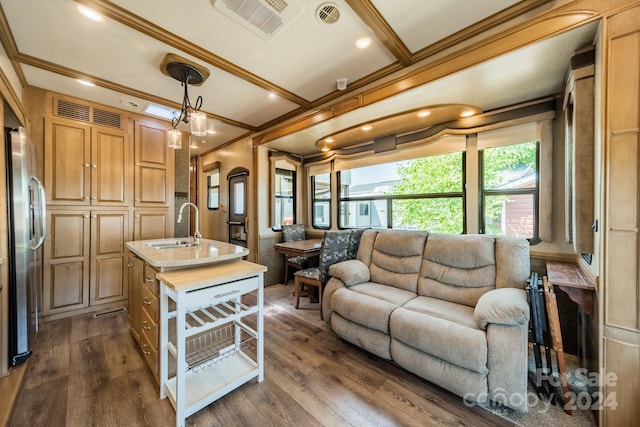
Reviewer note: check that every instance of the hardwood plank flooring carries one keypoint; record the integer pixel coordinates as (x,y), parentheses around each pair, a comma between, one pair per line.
(88,371)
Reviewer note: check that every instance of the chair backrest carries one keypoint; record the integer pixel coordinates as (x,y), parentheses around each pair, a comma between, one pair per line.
(335,248)
(292,232)
(354,242)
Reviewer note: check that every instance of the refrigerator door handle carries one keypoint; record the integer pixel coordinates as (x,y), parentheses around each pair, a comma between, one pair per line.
(43,213)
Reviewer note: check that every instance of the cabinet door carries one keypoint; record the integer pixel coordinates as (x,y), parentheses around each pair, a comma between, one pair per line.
(109,167)
(109,232)
(152,224)
(135,272)
(154,164)
(66,262)
(67,162)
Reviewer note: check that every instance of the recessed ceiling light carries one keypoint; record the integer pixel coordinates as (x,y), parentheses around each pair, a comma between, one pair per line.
(325,149)
(363,42)
(272,95)
(90,13)
(85,82)
(366,128)
(424,113)
(467,113)
(329,140)
(211,131)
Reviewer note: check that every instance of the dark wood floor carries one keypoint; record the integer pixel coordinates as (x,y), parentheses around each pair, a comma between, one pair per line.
(88,371)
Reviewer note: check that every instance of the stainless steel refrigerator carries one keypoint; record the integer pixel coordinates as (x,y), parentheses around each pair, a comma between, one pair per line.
(26,214)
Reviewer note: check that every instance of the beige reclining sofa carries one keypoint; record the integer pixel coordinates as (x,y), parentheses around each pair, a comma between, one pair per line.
(449,308)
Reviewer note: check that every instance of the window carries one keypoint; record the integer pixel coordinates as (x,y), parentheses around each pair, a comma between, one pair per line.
(321,202)
(213,190)
(509,190)
(424,194)
(285,203)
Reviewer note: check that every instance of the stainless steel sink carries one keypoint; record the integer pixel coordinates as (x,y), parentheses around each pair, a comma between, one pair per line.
(171,244)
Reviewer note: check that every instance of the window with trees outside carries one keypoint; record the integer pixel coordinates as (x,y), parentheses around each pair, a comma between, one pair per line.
(284,211)
(321,201)
(421,194)
(509,190)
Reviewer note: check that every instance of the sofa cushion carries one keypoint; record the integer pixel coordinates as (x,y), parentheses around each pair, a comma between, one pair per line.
(375,342)
(458,344)
(458,268)
(390,294)
(364,309)
(351,272)
(396,258)
(512,262)
(458,313)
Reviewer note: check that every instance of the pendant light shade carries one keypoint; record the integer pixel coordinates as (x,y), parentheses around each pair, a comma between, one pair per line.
(174,139)
(198,123)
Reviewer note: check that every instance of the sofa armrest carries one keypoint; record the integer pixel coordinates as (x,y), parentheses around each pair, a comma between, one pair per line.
(351,272)
(505,306)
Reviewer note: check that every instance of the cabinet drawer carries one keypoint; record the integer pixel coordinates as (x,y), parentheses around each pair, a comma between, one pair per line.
(221,293)
(150,355)
(149,328)
(150,280)
(150,304)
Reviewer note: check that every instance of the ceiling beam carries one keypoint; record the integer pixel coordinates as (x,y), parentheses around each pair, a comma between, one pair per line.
(381,28)
(152,30)
(107,84)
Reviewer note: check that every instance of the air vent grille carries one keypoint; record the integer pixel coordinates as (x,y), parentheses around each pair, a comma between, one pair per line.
(74,111)
(328,13)
(88,114)
(262,17)
(106,118)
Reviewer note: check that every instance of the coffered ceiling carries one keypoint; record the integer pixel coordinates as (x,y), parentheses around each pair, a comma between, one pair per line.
(259,80)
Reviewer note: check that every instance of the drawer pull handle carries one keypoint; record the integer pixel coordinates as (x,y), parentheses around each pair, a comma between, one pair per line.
(146,279)
(146,301)
(226,294)
(143,350)
(145,325)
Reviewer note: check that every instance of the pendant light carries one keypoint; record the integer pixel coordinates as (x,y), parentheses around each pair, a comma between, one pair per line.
(186,74)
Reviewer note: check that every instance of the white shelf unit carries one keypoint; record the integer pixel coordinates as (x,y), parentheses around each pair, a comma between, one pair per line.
(215,351)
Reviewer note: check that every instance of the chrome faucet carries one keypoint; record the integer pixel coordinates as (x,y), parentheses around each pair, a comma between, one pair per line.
(196,235)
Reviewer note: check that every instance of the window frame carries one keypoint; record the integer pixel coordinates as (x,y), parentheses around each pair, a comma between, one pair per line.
(276,196)
(417,196)
(535,192)
(315,201)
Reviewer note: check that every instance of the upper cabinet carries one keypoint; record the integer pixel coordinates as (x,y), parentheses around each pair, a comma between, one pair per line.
(86,165)
(154,167)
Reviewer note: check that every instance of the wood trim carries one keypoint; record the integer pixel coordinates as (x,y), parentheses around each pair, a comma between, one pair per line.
(381,28)
(547,25)
(68,72)
(137,23)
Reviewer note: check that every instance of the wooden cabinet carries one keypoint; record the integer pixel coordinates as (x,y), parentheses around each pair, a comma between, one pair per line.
(86,165)
(152,224)
(84,259)
(109,233)
(66,260)
(135,278)
(153,165)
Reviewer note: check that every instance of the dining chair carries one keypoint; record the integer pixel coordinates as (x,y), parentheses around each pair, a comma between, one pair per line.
(291,233)
(335,248)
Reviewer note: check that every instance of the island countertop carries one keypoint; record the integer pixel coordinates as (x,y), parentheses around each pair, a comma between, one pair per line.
(207,252)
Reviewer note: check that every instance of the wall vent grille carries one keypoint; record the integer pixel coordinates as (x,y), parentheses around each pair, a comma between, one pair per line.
(74,111)
(106,118)
(87,114)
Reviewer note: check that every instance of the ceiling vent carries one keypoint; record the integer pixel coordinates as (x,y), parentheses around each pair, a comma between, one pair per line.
(328,13)
(262,17)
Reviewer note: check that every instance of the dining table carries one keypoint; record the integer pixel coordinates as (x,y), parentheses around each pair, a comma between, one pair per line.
(304,248)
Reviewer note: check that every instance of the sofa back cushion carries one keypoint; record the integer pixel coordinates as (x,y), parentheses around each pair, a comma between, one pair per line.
(512,262)
(395,257)
(458,268)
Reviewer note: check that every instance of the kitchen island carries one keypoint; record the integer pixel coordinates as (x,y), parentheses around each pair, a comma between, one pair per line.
(147,258)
